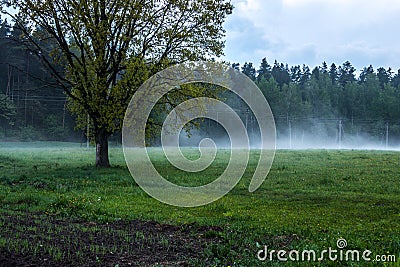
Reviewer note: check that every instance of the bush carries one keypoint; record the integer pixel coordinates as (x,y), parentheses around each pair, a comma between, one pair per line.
(28,133)
(54,129)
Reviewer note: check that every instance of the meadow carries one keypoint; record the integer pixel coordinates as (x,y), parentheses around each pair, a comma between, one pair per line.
(58,209)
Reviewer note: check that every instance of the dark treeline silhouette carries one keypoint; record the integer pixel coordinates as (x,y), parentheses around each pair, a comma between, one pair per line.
(32,106)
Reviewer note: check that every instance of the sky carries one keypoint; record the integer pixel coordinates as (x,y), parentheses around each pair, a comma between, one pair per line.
(309,32)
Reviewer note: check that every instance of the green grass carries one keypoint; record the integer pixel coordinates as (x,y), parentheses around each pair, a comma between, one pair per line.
(308,201)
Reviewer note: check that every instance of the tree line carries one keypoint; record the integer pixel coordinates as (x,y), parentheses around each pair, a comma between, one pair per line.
(33,107)
(321,99)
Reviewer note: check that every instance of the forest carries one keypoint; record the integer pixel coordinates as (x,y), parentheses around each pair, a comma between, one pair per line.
(329,102)
(32,107)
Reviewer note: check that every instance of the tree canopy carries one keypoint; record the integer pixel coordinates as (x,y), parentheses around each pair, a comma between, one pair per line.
(106,49)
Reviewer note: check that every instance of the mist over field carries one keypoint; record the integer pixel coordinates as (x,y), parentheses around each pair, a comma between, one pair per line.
(321,136)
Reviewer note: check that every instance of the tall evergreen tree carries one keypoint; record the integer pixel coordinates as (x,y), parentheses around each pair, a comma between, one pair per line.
(315,73)
(249,70)
(384,76)
(280,74)
(324,67)
(346,73)
(273,94)
(365,72)
(295,74)
(333,73)
(368,95)
(235,66)
(396,80)
(264,71)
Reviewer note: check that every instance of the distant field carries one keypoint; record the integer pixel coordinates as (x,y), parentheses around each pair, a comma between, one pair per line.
(58,209)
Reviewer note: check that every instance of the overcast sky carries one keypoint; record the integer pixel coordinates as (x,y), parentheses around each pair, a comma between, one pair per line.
(312,31)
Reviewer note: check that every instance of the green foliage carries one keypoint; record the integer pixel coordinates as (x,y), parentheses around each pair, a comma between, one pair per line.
(29,96)
(127,35)
(7,110)
(100,43)
(28,133)
(314,102)
(249,70)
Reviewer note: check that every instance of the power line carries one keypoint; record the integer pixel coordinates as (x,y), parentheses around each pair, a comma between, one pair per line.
(40,98)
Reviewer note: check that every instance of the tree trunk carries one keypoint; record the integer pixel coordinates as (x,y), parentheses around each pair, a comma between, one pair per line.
(101,139)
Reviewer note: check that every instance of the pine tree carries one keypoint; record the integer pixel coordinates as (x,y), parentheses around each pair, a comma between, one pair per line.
(235,66)
(333,73)
(295,74)
(324,67)
(346,73)
(396,80)
(384,76)
(365,72)
(264,71)
(249,70)
(280,74)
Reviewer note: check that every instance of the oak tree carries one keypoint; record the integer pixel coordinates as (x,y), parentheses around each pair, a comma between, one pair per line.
(109,47)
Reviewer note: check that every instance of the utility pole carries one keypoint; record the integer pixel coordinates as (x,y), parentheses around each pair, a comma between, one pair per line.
(387,135)
(87,131)
(340,133)
(63,118)
(290,134)
(8,88)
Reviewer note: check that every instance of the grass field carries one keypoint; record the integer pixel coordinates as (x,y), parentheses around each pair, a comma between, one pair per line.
(57,209)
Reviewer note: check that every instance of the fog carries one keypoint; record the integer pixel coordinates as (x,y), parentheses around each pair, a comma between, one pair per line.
(318,137)
(319,142)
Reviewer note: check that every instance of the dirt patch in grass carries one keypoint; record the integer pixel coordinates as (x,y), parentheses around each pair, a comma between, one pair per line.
(29,239)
